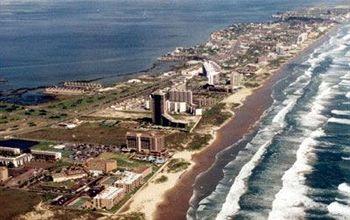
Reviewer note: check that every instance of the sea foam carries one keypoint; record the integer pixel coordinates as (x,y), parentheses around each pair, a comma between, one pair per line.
(291,200)
(339,210)
(340,112)
(341,121)
(344,188)
(239,187)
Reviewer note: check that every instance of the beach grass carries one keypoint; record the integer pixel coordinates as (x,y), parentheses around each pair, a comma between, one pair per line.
(177,164)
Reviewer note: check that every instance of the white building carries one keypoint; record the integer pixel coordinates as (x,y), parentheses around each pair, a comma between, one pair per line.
(47,155)
(14,151)
(236,80)
(62,177)
(302,38)
(176,107)
(198,112)
(16,160)
(280,50)
(108,198)
(211,70)
(128,180)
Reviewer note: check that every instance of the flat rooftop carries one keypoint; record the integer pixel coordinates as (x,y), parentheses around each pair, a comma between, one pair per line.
(109,193)
(128,177)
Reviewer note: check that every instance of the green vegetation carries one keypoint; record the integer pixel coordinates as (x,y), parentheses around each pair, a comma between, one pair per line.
(177,165)
(62,163)
(132,216)
(16,202)
(199,141)
(124,160)
(67,184)
(66,214)
(235,105)
(161,179)
(277,62)
(251,84)
(86,133)
(46,145)
(31,124)
(7,107)
(177,140)
(215,115)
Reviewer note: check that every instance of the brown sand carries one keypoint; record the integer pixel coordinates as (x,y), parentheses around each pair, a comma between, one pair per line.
(233,131)
(176,201)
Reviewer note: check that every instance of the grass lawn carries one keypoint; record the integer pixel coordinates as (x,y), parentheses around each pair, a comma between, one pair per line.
(86,133)
(49,146)
(177,165)
(16,202)
(66,184)
(123,160)
(199,141)
(215,116)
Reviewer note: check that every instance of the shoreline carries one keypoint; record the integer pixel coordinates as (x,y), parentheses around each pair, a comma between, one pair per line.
(242,123)
(15,96)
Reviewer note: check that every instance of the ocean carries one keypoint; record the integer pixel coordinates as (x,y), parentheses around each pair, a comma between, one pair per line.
(296,164)
(46,42)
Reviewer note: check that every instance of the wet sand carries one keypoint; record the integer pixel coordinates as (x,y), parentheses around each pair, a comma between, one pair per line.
(176,201)
(205,175)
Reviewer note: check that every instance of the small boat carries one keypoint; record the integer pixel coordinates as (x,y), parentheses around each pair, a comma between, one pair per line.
(2,80)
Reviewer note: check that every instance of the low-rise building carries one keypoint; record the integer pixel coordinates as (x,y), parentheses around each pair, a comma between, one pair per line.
(62,177)
(16,161)
(9,151)
(71,173)
(46,155)
(145,171)
(108,198)
(97,165)
(128,180)
(24,178)
(4,174)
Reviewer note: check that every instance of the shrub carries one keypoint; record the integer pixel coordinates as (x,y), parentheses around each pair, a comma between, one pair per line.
(161,179)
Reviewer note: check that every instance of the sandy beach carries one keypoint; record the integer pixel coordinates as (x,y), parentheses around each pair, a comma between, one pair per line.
(157,200)
(203,176)
(147,200)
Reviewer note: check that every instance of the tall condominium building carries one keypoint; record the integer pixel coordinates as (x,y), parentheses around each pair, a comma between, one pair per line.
(211,70)
(181,96)
(158,107)
(159,112)
(235,80)
(145,142)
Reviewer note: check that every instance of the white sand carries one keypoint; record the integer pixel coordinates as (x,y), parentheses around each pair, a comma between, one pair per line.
(147,199)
